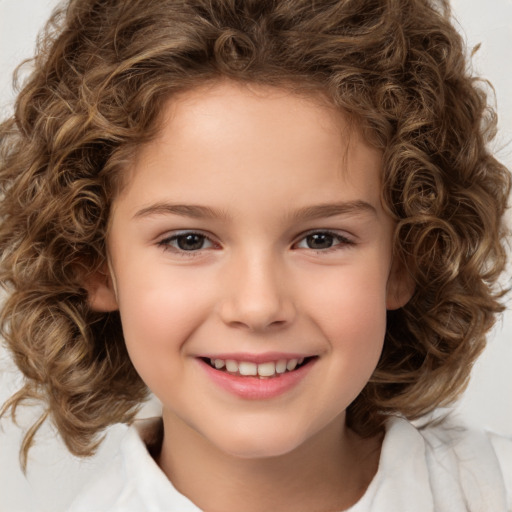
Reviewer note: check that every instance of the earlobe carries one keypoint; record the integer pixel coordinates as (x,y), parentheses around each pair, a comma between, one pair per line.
(400,287)
(101,292)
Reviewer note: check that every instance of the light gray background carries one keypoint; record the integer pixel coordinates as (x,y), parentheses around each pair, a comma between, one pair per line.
(54,475)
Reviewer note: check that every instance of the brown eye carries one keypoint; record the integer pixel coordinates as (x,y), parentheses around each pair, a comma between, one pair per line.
(190,242)
(320,241)
(323,241)
(187,242)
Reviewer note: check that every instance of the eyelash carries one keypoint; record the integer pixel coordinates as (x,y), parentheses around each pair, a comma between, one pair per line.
(342,241)
(165,244)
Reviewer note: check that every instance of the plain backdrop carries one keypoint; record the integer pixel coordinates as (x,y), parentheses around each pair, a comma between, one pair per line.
(54,476)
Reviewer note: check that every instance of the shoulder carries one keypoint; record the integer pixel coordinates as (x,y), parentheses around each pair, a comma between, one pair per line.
(443,467)
(503,450)
(479,462)
(133,481)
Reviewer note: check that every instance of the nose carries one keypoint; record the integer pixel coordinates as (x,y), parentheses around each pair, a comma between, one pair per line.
(256,294)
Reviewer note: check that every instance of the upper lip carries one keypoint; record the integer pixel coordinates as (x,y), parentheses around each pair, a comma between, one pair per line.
(257,358)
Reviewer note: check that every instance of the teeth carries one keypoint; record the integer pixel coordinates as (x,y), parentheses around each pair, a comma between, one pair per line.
(281,366)
(291,364)
(246,368)
(266,369)
(231,366)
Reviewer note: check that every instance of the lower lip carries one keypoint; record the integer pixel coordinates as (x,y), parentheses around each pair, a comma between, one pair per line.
(254,388)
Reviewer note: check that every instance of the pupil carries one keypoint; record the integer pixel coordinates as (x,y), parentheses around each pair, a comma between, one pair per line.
(320,241)
(190,242)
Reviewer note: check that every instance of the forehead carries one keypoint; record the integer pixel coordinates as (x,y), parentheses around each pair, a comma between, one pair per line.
(231,113)
(249,138)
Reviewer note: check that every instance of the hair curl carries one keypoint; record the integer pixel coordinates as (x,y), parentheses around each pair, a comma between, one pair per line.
(102,72)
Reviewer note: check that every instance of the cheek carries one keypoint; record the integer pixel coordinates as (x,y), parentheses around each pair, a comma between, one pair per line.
(358,290)
(159,313)
(350,309)
(155,297)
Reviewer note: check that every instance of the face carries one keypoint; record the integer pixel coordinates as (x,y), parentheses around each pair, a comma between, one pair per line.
(251,264)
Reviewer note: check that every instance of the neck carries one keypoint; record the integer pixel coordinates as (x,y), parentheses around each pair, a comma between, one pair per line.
(330,471)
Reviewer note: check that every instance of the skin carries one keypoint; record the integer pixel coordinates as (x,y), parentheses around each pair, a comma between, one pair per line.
(260,159)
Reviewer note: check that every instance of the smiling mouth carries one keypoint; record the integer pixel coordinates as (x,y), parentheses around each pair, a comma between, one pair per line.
(267,370)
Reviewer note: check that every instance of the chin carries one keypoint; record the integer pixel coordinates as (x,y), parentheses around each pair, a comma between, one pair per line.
(260,444)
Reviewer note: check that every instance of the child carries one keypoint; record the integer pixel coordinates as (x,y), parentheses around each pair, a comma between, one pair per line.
(279,217)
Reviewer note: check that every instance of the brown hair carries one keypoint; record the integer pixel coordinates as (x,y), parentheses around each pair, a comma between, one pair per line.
(101,74)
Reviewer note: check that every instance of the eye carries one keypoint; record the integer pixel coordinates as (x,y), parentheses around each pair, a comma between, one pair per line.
(186,241)
(323,240)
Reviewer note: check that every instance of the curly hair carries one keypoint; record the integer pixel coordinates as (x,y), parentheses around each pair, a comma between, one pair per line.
(101,74)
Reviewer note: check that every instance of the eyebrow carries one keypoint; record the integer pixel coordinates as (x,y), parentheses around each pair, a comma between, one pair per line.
(306,213)
(183,210)
(333,209)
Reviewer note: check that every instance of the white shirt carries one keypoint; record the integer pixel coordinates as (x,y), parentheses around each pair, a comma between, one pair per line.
(436,469)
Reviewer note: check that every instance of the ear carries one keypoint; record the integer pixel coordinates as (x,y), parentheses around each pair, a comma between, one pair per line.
(101,291)
(400,287)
